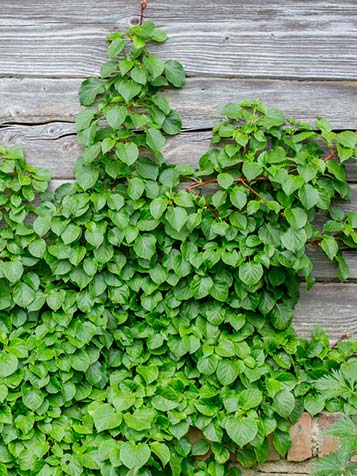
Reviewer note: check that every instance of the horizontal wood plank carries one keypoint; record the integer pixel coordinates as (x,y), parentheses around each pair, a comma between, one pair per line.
(34,100)
(295,14)
(236,39)
(54,147)
(330,306)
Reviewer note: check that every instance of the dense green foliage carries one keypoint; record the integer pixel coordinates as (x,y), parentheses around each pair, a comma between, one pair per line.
(339,463)
(148,298)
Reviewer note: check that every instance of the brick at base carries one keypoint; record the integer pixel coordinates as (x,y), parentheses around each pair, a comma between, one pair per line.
(301,448)
(327,443)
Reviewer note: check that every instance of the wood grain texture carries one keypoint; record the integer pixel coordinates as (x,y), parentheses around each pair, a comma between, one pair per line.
(34,100)
(281,468)
(53,145)
(232,39)
(294,14)
(330,306)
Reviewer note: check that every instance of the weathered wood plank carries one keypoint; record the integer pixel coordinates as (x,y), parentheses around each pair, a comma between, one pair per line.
(330,306)
(54,146)
(34,100)
(294,14)
(205,48)
(281,468)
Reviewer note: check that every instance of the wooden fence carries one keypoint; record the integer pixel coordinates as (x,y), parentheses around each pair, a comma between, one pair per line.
(297,55)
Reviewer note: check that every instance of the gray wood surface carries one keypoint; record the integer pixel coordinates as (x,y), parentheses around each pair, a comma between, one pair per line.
(281,468)
(236,39)
(34,100)
(333,307)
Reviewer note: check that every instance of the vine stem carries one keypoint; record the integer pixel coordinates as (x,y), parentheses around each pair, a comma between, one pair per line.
(345,335)
(333,153)
(330,156)
(143,6)
(237,180)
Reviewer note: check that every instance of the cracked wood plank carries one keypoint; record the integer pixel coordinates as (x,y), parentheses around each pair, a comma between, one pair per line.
(34,100)
(54,146)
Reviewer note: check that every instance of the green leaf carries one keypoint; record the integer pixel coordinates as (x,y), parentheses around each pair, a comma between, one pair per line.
(172,124)
(201,286)
(127,152)
(161,451)
(251,170)
(309,196)
(71,233)
(296,217)
(87,176)
(138,74)
(158,35)
(116,47)
(8,364)
(314,404)
(200,447)
(292,183)
(158,206)
(145,246)
(225,180)
(115,116)
(154,139)
(12,270)
(283,403)
(128,89)
(136,188)
(176,217)
(55,299)
(3,470)
(347,139)
(41,225)
(141,419)
(154,65)
(238,197)
(282,442)
(329,246)
(227,372)
(89,90)
(293,240)
(232,111)
(32,398)
(23,295)
(84,119)
(134,455)
(250,398)
(343,271)
(250,273)
(106,418)
(175,73)
(242,430)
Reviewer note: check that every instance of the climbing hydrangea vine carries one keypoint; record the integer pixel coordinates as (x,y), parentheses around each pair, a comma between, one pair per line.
(146,308)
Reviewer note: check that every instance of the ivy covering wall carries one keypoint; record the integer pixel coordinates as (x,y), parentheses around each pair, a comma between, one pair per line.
(146,298)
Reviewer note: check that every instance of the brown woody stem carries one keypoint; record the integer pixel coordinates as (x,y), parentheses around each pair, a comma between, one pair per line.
(143,6)
(330,156)
(237,180)
(345,335)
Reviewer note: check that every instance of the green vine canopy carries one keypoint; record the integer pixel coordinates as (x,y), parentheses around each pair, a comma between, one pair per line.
(146,308)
